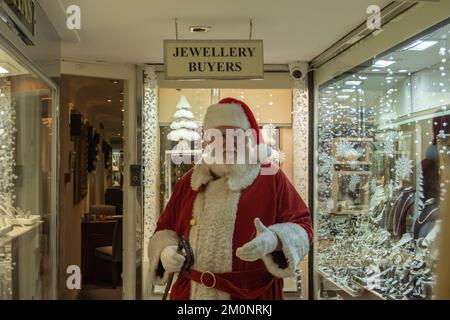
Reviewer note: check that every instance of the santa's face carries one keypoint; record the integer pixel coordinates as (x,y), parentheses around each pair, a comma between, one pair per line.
(227,149)
(229,140)
(228,145)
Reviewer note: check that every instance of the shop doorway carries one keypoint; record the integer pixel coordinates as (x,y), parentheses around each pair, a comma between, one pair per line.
(92,184)
(272,105)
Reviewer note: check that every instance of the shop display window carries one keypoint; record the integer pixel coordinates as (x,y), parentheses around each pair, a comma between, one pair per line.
(27,231)
(383,136)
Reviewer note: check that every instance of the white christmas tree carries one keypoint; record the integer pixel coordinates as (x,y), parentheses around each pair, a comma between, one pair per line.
(183,128)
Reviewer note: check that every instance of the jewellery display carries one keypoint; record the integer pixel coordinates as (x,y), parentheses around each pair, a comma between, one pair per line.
(403,206)
(29,184)
(366,257)
(5,226)
(6,267)
(381,176)
(16,216)
(426,219)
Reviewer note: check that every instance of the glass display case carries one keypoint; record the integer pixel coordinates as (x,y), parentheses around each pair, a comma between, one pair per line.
(383,154)
(27,233)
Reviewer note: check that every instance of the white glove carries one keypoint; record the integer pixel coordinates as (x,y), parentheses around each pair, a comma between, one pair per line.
(265,242)
(171,260)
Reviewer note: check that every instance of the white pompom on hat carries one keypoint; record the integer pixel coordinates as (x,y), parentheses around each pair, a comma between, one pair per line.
(235,113)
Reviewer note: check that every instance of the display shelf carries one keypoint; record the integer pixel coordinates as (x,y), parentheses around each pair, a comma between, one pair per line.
(356,139)
(349,173)
(18,231)
(26,221)
(5,230)
(349,212)
(428,113)
(371,291)
(349,291)
(353,163)
(377,294)
(339,285)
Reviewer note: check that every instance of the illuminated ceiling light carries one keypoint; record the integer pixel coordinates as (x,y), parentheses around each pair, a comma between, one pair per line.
(3,70)
(420,45)
(348,90)
(353,82)
(362,77)
(376,70)
(382,63)
(344,96)
(109,100)
(403,71)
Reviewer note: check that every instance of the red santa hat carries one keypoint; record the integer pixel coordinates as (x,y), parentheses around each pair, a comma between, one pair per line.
(236,113)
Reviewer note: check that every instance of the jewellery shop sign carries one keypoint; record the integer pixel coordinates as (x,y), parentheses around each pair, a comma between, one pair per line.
(24,11)
(211,59)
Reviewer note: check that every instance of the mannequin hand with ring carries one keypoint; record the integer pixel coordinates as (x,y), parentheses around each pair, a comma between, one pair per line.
(265,242)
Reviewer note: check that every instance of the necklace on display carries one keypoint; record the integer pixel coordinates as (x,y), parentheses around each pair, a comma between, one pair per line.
(376,217)
(426,218)
(403,208)
(391,207)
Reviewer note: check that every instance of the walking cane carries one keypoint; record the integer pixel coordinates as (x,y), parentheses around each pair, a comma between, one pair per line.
(182,244)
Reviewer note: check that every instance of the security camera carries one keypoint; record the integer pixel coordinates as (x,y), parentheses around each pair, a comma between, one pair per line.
(298,70)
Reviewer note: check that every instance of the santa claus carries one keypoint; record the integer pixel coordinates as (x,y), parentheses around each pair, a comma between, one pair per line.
(247,230)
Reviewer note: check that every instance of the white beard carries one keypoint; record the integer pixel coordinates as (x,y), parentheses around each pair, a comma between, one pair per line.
(220,170)
(231,170)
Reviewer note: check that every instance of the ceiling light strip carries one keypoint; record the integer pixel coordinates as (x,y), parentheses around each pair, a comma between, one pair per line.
(389,12)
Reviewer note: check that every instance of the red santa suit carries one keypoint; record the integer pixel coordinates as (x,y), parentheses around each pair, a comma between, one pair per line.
(216,215)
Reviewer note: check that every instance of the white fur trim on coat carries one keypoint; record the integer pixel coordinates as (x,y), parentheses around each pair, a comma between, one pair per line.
(160,240)
(295,245)
(212,236)
(227,114)
(201,175)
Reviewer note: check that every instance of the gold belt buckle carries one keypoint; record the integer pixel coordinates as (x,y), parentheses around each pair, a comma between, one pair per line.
(213,276)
